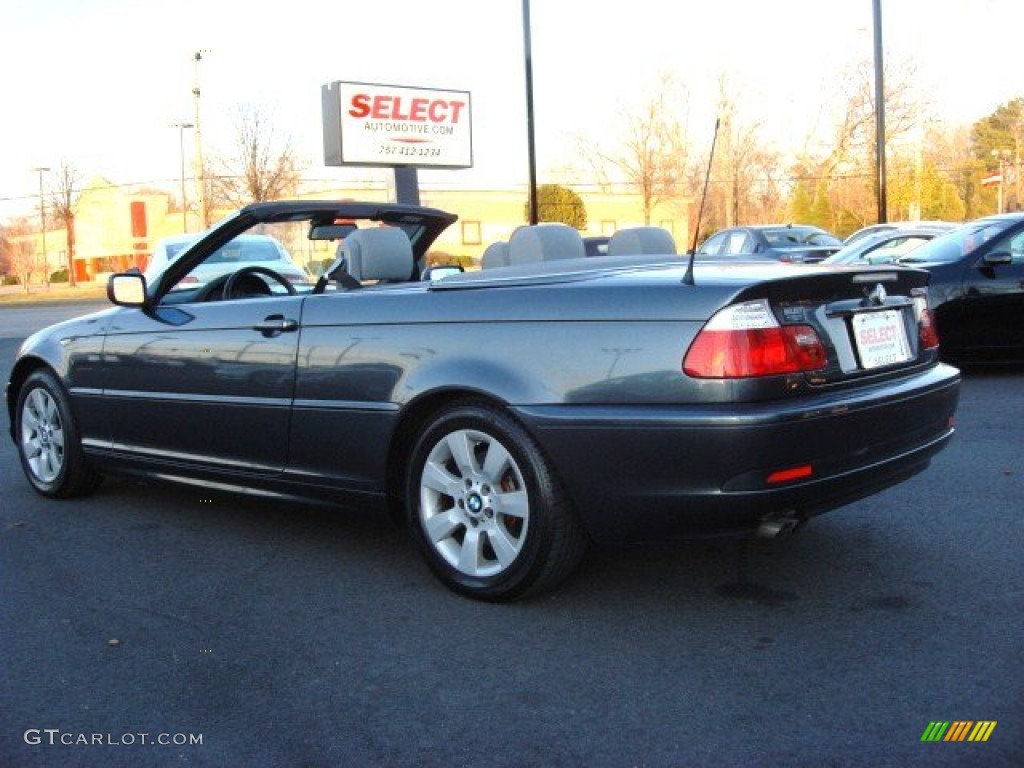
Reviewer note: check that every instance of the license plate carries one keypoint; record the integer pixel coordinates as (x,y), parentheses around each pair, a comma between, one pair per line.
(881,338)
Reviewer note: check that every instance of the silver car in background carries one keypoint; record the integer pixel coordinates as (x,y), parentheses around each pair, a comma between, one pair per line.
(242,251)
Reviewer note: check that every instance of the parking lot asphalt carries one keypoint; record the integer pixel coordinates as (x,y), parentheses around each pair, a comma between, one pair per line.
(154,625)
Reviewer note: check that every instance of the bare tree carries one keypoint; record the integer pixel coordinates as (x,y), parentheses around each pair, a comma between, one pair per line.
(260,166)
(652,152)
(833,183)
(64,197)
(19,252)
(854,134)
(748,172)
(5,247)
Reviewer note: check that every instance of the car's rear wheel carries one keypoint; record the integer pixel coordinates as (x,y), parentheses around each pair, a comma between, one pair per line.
(48,441)
(486,508)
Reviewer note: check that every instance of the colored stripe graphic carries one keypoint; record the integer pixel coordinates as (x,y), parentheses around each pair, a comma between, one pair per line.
(959,730)
(982,730)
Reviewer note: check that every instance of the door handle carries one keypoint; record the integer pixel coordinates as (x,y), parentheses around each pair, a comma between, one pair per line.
(272,325)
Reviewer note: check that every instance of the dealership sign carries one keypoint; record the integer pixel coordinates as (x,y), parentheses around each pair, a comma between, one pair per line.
(394,125)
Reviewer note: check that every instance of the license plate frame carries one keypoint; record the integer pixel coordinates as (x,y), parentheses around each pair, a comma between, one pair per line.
(881,338)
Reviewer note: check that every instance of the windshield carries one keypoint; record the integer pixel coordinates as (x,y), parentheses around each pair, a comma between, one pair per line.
(959,243)
(240,249)
(173,249)
(244,250)
(788,237)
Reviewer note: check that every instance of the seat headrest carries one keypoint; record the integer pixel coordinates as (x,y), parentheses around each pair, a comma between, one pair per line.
(379,253)
(544,242)
(641,240)
(495,255)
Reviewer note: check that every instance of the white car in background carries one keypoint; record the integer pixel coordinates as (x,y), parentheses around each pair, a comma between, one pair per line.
(244,250)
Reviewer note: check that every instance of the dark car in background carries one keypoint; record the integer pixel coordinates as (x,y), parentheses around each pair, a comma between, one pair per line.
(509,415)
(976,289)
(596,245)
(797,243)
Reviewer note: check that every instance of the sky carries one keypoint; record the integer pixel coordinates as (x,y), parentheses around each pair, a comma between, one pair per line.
(99,83)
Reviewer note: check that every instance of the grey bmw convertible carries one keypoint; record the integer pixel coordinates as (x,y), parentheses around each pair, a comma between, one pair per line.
(509,415)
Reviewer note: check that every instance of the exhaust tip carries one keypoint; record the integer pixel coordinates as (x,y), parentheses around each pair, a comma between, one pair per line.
(779,523)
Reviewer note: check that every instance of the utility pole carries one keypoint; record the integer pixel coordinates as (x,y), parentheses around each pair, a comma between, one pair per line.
(732,186)
(197,152)
(530,139)
(881,191)
(181,126)
(1001,156)
(42,225)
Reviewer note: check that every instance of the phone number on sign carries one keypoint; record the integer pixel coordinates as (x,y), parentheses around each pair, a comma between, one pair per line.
(391,151)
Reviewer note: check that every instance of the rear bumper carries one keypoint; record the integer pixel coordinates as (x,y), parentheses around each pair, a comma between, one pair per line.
(648,472)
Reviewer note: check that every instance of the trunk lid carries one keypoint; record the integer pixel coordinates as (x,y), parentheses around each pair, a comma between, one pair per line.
(870,322)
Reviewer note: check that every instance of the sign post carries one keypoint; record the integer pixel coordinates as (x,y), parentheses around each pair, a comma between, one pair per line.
(401,127)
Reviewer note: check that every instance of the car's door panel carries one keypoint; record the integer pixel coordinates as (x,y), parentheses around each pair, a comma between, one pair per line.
(210,383)
(994,298)
(345,403)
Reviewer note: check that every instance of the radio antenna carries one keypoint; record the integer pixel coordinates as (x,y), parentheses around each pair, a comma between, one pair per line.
(692,253)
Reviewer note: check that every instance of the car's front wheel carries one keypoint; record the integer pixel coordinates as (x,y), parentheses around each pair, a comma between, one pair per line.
(48,441)
(486,508)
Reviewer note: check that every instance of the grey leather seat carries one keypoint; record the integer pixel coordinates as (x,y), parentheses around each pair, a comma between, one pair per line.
(383,254)
(495,255)
(544,242)
(642,241)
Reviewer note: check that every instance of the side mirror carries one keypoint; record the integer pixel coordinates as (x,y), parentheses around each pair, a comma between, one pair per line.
(127,290)
(997,258)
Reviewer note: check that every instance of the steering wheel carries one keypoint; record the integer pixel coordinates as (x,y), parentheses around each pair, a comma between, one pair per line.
(235,279)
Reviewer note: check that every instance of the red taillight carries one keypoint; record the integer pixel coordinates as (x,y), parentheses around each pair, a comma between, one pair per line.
(927,332)
(746,340)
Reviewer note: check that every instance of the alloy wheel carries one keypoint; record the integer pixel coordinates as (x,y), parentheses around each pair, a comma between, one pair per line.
(474,506)
(42,435)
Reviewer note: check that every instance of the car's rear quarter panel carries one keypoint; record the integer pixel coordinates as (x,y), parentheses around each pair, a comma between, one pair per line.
(364,360)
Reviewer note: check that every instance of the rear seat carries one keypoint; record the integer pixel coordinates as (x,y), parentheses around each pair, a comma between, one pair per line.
(495,255)
(544,242)
(642,241)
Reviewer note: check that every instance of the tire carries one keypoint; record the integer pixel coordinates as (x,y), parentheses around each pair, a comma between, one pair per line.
(485,507)
(48,441)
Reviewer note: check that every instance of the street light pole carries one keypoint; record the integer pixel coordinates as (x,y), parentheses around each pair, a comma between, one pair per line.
(1001,155)
(42,224)
(999,200)
(530,140)
(880,175)
(181,126)
(197,136)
